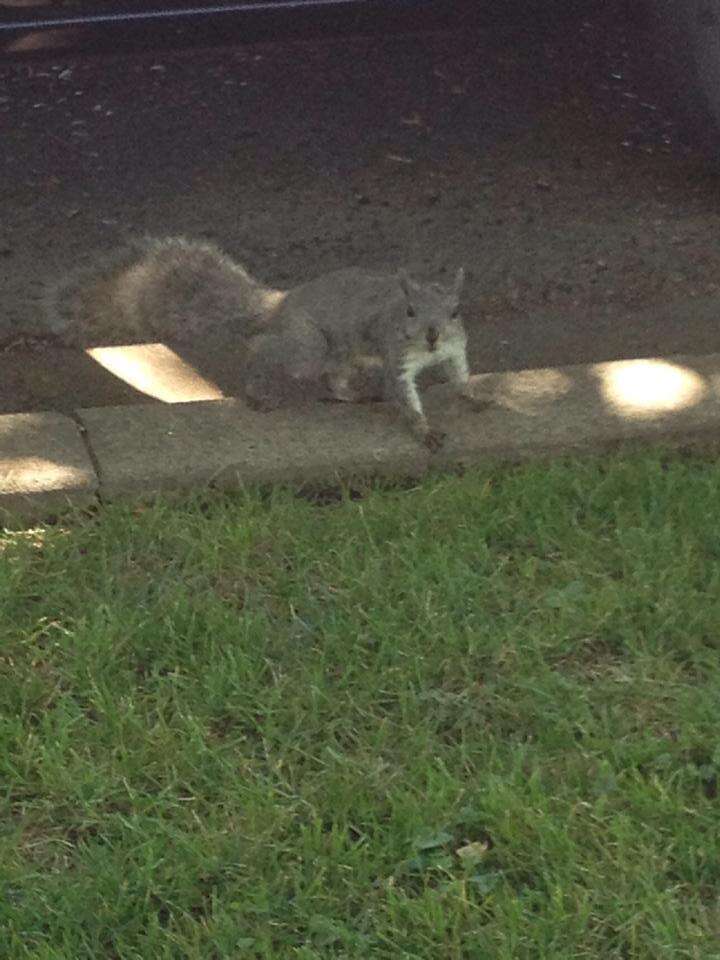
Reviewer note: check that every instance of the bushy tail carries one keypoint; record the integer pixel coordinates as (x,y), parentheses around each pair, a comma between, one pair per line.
(80,309)
(168,289)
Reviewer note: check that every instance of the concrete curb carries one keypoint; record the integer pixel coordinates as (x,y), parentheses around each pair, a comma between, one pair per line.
(44,465)
(48,460)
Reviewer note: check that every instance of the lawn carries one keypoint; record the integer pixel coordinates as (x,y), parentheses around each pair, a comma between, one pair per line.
(475,718)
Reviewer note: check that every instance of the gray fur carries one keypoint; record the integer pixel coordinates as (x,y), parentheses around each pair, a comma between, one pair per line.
(343,326)
(170,288)
(351,334)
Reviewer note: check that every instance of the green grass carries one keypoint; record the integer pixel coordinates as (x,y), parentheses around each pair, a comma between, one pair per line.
(477,718)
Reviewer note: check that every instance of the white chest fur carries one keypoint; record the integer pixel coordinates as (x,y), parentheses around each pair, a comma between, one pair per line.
(452,352)
(449,351)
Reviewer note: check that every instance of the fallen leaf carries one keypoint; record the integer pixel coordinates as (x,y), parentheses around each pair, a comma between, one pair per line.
(472,853)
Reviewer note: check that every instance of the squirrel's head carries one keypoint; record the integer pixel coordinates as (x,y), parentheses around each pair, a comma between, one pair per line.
(431,310)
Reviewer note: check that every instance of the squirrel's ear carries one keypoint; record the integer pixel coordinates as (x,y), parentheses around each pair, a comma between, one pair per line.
(459,279)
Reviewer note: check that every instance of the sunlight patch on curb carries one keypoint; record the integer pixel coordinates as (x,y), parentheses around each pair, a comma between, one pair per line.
(38,475)
(157,371)
(643,389)
(529,391)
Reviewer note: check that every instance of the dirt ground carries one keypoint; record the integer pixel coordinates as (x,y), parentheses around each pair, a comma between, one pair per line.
(547,162)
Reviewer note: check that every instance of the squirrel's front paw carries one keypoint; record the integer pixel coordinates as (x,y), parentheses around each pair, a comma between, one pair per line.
(434,440)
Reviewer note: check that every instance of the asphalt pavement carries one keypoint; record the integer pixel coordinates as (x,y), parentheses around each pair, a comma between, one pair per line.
(542,153)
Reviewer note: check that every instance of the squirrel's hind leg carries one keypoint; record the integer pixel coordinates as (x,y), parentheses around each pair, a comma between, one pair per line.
(282,367)
(358,380)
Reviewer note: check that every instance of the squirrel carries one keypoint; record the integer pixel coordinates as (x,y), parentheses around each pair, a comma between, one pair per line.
(355,335)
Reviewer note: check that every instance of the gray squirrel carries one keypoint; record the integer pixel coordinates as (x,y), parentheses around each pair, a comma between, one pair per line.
(356,335)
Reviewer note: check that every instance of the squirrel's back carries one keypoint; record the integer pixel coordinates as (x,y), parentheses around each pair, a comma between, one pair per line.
(157,289)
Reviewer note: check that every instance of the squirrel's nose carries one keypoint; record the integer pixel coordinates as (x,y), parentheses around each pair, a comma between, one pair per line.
(432,337)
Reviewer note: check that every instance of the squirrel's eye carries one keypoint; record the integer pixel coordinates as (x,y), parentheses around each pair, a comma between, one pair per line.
(455,314)
(410,312)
